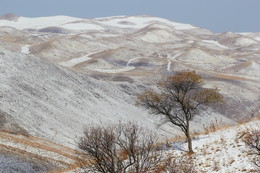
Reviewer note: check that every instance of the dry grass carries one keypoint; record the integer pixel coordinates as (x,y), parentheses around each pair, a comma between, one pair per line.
(23,154)
(42,144)
(221,76)
(44,46)
(31,141)
(215,125)
(170,164)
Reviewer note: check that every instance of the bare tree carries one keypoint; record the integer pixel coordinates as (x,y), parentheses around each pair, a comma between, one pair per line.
(119,149)
(183,164)
(252,141)
(179,100)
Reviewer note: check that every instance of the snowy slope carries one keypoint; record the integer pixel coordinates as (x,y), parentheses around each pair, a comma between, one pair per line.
(221,151)
(56,103)
(20,153)
(139,22)
(37,23)
(54,83)
(78,24)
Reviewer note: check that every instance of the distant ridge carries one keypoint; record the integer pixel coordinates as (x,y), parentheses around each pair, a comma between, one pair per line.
(9,16)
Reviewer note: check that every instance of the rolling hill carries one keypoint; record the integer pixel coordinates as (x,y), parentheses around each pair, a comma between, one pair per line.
(59,74)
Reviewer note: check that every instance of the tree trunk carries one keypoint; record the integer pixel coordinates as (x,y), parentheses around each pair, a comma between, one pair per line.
(187,133)
(189,143)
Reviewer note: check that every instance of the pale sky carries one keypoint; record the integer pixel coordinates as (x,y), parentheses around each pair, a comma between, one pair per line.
(214,15)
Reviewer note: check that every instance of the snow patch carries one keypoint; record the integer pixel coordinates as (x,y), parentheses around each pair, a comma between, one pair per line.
(176,56)
(216,43)
(81,26)
(169,66)
(131,60)
(75,61)
(25,49)
(125,69)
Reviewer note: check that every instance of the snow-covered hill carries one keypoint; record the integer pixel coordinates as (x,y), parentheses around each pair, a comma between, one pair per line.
(60,73)
(56,103)
(78,24)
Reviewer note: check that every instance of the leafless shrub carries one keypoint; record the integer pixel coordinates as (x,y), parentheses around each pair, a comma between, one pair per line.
(183,164)
(213,126)
(252,141)
(118,149)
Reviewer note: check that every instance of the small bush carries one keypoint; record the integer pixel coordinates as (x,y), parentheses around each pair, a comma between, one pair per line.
(183,164)
(127,148)
(252,141)
(213,127)
(119,148)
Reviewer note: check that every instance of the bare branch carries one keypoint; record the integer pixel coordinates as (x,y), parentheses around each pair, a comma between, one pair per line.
(179,99)
(119,149)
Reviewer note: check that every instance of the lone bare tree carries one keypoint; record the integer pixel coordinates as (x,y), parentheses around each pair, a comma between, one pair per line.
(179,99)
(119,148)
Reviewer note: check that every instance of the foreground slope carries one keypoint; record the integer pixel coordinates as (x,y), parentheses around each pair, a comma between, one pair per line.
(221,151)
(21,153)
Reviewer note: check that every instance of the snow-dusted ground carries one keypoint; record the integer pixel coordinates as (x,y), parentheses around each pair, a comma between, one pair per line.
(54,94)
(12,163)
(20,153)
(38,151)
(62,102)
(223,151)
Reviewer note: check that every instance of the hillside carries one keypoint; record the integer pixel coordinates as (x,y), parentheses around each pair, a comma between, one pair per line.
(30,154)
(222,150)
(216,150)
(59,74)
